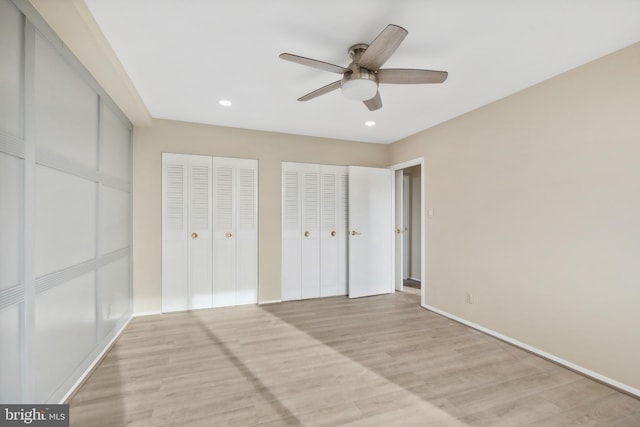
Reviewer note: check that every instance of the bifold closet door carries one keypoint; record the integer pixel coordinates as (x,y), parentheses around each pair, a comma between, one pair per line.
(314,230)
(235,234)
(187,235)
(300,231)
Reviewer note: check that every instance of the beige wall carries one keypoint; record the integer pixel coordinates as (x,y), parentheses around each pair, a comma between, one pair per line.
(536,204)
(269,148)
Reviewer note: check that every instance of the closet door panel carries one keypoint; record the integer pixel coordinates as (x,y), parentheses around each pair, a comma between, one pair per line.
(10,360)
(11,69)
(247,232)
(343,232)
(10,219)
(65,220)
(114,220)
(115,293)
(224,251)
(329,232)
(65,332)
(200,235)
(291,232)
(310,245)
(174,233)
(66,108)
(115,146)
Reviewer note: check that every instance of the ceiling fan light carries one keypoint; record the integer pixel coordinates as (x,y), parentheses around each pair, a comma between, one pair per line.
(360,84)
(359,89)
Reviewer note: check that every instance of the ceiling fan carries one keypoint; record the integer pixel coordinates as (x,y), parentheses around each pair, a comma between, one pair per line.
(360,79)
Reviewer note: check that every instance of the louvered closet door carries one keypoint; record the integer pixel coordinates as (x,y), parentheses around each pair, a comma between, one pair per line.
(247,232)
(186,232)
(174,233)
(343,233)
(333,231)
(310,244)
(199,231)
(291,232)
(235,238)
(314,230)
(300,231)
(224,257)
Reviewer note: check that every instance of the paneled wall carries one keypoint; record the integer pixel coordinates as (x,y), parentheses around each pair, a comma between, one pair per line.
(65,213)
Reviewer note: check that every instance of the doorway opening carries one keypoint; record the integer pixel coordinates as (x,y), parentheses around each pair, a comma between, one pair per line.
(409,221)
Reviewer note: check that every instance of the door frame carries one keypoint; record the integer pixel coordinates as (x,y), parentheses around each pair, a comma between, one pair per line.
(404,165)
(406,226)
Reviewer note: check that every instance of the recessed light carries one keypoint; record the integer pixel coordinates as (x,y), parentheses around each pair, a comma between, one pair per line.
(369,123)
(225,103)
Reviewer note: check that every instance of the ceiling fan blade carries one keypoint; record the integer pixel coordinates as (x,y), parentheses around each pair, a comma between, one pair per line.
(324,89)
(382,47)
(410,76)
(374,103)
(325,66)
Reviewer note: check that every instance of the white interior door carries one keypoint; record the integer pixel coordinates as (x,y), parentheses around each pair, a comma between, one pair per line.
(371,221)
(399,227)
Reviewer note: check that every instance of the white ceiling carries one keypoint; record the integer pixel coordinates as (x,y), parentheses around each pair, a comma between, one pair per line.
(185,55)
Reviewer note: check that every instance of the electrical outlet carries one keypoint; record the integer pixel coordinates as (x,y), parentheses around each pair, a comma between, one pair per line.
(469,298)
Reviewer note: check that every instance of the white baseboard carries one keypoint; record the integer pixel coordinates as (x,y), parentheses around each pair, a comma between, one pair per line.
(584,371)
(146,313)
(97,360)
(414,279)
(275,301)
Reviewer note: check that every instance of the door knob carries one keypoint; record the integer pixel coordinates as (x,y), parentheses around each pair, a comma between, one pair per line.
(355,233)
(333,234)
(307,234)
(398,231)
(229,235)
(194,235)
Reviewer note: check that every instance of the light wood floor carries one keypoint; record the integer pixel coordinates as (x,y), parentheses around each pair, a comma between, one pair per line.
(377,361)
(411,286)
